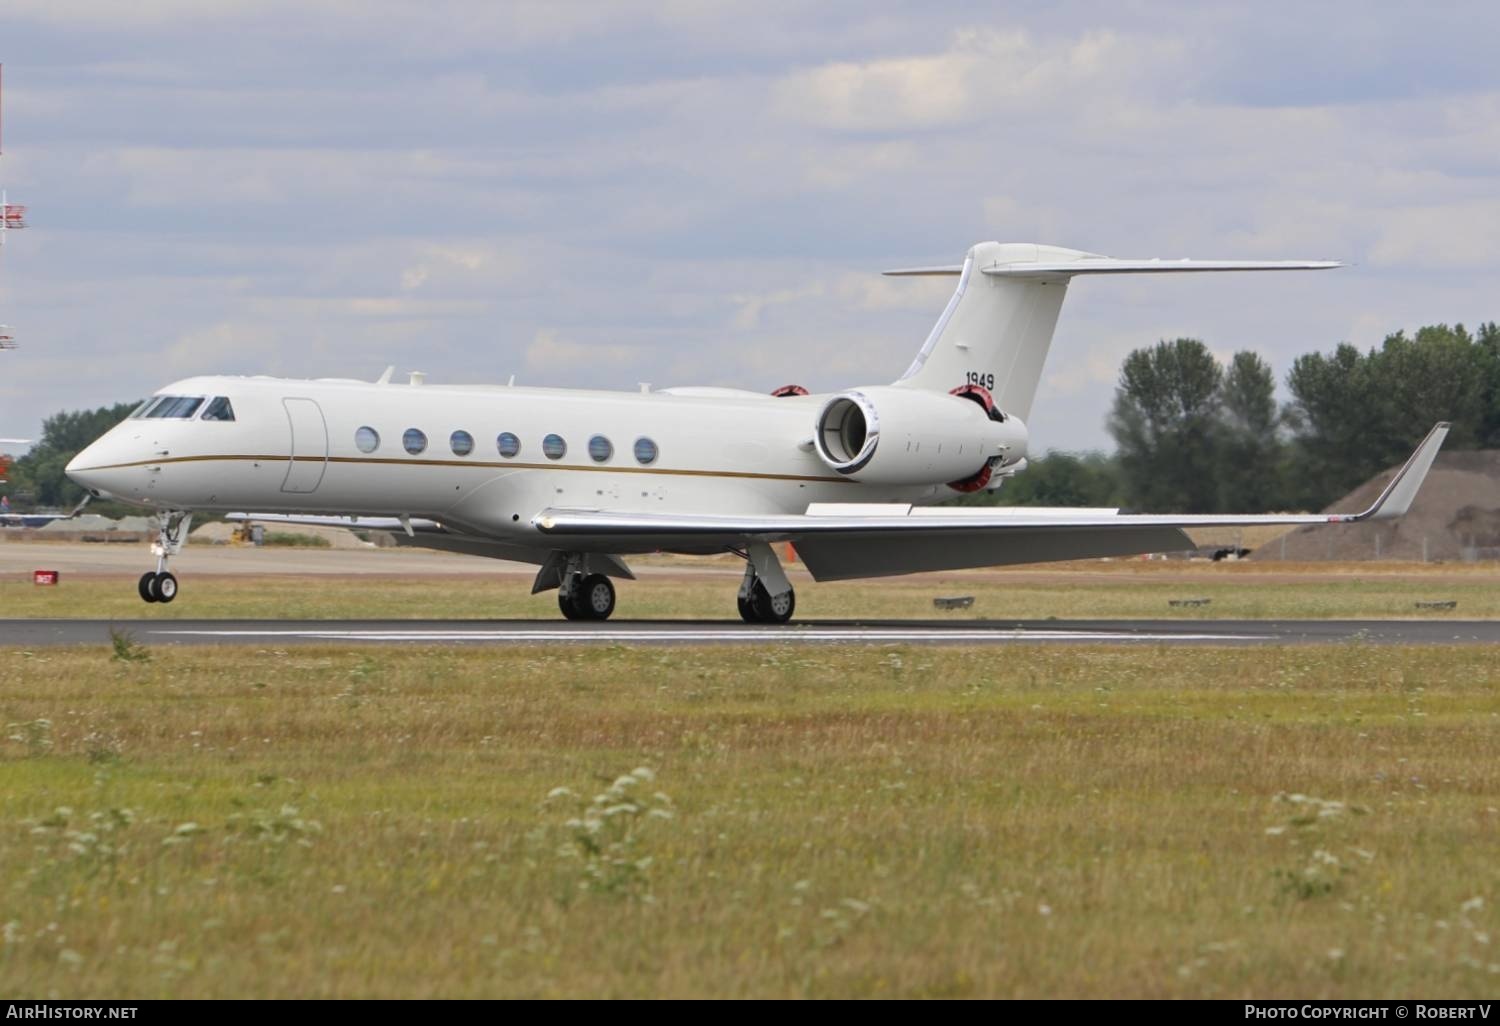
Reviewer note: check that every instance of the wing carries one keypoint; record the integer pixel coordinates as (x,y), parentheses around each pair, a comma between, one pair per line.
(839,542)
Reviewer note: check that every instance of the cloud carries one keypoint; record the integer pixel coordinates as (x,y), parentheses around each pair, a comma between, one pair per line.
(207,349)
(750,307)
(553,355)
(888,95)
(1457,235)
(984,70)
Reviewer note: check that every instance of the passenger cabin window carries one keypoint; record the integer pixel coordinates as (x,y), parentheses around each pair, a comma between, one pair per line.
(508,444)
(461,442)
(173,407)
(554,448)
(367,439)
(600,449)
(414,441)
(219,409)
(645,451)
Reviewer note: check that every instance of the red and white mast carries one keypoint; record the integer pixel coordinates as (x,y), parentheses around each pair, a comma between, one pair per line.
(11,216)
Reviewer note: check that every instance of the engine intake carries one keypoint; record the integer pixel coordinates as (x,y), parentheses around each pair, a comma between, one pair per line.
(848,432)
(903,436)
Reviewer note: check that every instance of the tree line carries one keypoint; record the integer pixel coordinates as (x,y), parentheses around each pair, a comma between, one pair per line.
(1193,434)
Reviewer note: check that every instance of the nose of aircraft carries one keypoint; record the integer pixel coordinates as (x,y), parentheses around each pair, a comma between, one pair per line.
(87,468)
(77,470)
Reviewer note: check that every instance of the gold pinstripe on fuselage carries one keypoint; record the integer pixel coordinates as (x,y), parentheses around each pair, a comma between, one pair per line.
(476,464)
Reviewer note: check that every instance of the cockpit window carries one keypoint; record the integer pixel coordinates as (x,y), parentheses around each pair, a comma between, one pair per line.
(173,407)
(219,409)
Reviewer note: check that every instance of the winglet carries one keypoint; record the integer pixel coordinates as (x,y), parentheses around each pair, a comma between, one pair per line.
(1398,495)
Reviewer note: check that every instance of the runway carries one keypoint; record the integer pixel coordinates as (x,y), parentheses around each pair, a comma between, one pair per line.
(280,633)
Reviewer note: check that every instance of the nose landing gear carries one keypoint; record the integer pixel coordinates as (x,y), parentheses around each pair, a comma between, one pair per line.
(171,533)
(157,586)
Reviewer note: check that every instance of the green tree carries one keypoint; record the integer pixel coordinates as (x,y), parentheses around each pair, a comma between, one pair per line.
(1251,449)
(1487,339)
(40,472)
(1164,420)
(1335,414)
(1436,375)
(1353,414)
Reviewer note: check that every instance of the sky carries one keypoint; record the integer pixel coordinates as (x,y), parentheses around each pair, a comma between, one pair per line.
(680,193)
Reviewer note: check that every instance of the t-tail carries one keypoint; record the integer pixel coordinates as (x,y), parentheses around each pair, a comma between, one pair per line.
(997,328)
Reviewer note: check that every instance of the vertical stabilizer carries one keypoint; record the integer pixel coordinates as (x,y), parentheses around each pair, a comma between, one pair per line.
(995,331)
(997,328)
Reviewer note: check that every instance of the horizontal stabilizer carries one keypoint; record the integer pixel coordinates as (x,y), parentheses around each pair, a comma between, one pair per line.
(1106,265)
(1109,265)
(924,272)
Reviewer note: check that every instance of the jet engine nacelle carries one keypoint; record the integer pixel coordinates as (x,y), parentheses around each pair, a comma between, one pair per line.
(902,436)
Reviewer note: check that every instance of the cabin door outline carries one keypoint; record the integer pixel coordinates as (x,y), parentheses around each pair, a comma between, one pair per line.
(309,446)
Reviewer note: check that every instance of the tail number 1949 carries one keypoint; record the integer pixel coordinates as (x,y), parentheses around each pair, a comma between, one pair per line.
(982,380)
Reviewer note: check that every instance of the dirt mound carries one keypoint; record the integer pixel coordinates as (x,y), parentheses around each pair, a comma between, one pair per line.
(86,522)
(1456,517)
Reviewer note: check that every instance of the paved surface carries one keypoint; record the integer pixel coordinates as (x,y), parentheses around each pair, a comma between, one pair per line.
(278,633)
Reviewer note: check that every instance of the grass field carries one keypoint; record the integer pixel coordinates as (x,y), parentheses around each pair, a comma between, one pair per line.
(1107,590)
(1314,822)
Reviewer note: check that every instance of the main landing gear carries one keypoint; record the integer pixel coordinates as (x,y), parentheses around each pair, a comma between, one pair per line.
(766,596)
(582,592)
(171,532)
(586,597)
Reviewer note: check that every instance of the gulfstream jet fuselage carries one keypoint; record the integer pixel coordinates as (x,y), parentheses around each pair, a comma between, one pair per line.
(574,481)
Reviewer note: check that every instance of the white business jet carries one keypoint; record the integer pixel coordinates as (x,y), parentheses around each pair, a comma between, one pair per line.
(574,481)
